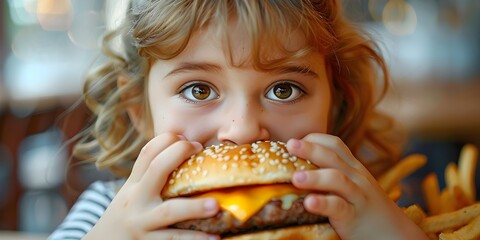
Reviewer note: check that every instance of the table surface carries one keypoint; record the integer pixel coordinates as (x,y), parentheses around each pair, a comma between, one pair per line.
(12,235)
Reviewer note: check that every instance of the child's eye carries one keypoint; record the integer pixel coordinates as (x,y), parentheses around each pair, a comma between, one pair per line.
(284,92)
(198,92)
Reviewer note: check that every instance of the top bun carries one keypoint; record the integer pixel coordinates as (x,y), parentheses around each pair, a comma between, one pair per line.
(222,166)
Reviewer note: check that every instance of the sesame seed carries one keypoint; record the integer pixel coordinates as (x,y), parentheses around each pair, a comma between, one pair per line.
(262,170)
(205,172)
(194,172)
(171,181)
(224,166)
(235,165)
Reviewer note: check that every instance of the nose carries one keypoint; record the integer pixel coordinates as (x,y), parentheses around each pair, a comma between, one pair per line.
(243,124)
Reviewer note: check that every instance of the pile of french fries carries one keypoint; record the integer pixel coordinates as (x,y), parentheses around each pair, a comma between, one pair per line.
(452,213)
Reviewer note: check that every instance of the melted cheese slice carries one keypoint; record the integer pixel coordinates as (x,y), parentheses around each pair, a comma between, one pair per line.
(244,202)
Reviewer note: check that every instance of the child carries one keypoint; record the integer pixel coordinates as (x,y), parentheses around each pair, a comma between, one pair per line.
(196,73)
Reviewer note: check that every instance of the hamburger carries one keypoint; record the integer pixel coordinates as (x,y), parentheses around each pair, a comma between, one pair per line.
(252,184)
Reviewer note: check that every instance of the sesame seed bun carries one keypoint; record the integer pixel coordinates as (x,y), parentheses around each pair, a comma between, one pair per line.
(321,231)
(222,166)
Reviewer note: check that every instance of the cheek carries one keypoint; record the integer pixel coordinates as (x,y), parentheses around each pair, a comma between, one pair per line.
(193,126)
(311,117)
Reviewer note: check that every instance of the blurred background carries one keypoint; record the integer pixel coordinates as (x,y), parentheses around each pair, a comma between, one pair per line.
(46,46)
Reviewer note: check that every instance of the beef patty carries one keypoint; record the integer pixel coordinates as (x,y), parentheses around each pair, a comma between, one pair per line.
(271,216)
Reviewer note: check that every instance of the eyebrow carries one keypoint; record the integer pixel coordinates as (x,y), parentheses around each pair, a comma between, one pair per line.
(304,70)
(186,66)
(208,67)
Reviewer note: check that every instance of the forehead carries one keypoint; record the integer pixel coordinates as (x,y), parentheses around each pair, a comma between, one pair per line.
(241,46)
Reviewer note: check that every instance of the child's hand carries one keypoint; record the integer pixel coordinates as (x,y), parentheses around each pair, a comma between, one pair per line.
(138,212)
(348,194)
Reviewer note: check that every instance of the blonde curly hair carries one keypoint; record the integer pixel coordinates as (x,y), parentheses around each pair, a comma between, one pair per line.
(161,30)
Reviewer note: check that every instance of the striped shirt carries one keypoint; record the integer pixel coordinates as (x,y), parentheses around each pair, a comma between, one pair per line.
(88,209)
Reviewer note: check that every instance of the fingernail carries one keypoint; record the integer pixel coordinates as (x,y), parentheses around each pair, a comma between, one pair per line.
(294,143)
(312,202)
(300,177)
(210,205)
(198,146)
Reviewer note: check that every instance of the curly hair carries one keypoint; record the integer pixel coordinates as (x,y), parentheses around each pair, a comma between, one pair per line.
(162,29)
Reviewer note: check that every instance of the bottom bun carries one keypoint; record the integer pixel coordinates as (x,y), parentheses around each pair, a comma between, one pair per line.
(321,231)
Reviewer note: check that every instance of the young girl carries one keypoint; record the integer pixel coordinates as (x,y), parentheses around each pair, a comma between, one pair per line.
(195,73)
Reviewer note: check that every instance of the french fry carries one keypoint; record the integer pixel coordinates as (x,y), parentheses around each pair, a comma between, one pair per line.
(471,231)
(402,169)
(415,213)
(395,193)
(467,165)
(450,220)
(448,202)
(431,193)
(451,175)
(460,197)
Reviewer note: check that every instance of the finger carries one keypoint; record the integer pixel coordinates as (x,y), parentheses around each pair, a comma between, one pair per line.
(178,234)
(165,162)
(321,156)
(332,181)
(149,151)
(178,210)
(331,206)
(334,143)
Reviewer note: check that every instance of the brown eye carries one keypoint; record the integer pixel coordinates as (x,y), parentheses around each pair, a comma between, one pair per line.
(283,90)
(200,92)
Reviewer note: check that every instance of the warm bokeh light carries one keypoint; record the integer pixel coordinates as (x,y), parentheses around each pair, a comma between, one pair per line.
(54,15)
(399,17)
